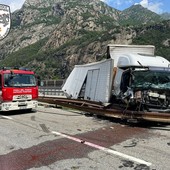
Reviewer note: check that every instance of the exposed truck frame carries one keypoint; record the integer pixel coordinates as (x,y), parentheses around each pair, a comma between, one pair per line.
(132,83)
(131,76)
(141,80)
(18,89)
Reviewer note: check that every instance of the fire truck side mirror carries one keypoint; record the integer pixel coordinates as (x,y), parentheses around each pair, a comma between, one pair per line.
(39,82)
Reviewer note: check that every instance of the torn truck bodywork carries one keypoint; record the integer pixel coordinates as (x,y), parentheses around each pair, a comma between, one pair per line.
(99,109)
(148,89)
(131,82)
(91,81)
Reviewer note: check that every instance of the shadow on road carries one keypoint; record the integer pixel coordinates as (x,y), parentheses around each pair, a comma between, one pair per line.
(17,112)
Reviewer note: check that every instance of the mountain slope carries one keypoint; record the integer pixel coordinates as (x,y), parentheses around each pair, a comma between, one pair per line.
(157,34)
(138,15)
(56,23)
(166,16)
(51,36)
(38,19)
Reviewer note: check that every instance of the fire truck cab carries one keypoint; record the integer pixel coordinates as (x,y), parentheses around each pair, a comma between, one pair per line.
(18,89)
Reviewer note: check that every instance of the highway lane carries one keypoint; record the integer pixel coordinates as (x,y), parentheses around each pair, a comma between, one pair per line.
(63,139)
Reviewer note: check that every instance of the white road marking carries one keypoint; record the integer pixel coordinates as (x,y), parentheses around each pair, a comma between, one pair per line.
(7,117)
(131,158)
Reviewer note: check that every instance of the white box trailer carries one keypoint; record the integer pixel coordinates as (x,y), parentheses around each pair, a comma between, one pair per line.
(115,51)
(91,81)
(131,76)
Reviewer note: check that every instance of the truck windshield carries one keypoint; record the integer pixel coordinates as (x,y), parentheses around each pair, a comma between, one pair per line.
(151,79)
(19,80)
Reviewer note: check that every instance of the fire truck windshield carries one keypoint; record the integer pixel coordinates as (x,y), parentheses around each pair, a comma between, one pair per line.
(19,80)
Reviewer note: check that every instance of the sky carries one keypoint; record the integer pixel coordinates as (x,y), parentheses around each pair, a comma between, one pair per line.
(158,6)
(14,4)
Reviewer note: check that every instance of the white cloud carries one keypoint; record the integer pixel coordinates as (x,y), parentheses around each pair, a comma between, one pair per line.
(106,1)
(144,3)
(118,2)
(153,6)
(14,4)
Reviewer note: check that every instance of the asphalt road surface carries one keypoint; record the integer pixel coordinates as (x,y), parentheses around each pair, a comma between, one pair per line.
(59,139)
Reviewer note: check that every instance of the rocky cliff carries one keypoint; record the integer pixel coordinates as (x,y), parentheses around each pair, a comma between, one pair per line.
(51,36)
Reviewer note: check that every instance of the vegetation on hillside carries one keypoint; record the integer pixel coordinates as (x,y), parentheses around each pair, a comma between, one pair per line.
(138,15)
(75,32)
(51,63)
(156,35)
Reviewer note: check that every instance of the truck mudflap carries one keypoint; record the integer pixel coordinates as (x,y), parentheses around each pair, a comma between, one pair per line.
(18,105)
(115,112)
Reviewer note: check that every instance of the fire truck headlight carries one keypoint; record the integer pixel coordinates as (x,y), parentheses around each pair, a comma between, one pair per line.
(35,103)
(6,106)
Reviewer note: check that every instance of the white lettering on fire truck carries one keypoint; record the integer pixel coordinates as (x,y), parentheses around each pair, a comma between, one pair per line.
(22,91)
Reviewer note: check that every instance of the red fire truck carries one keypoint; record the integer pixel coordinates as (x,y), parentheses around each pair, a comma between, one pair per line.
(18,89)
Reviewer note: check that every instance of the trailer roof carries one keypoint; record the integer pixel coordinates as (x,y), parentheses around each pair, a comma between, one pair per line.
(127,60)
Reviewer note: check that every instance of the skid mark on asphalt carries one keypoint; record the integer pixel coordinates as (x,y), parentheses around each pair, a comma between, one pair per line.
(33,118)
(44,128)
(50,152)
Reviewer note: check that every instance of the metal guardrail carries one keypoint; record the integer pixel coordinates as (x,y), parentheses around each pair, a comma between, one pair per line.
(53,83)
(114,111)
(50,91)
(51,88)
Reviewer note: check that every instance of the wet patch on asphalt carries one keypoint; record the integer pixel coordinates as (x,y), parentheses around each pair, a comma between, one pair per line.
(49,152)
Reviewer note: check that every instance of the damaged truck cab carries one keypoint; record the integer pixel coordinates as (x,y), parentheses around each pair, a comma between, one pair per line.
(141,80)
(131,77)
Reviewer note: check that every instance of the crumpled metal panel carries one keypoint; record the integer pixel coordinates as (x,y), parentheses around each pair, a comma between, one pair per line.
(97,78)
